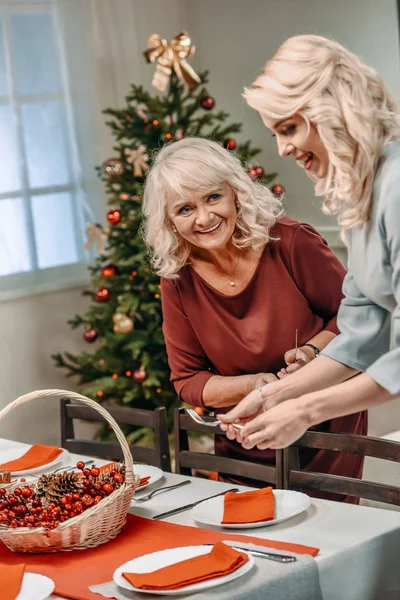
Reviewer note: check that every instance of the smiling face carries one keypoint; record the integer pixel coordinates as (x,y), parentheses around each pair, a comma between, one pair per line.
(295,138)
(205,218)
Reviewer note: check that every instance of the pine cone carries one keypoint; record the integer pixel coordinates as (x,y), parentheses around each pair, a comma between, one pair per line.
(105,471)
(54,486)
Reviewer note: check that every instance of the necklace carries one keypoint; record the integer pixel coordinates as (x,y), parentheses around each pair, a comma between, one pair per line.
(232,281)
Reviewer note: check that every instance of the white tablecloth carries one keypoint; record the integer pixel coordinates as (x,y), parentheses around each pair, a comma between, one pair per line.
(359,555)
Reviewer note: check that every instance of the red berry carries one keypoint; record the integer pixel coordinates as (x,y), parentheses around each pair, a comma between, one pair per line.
(27,492)
(87,472)
(80,465)
(18,492)
(93,492)
(76,496)
(87,500)
(21,509)
(97,499)
(2,492)
(118,478)
(86,482)
(95,472)
(13,500)
(113,472)
(68,497)
(107,488)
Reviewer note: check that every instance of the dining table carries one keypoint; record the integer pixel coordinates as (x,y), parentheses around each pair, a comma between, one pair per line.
(359,546)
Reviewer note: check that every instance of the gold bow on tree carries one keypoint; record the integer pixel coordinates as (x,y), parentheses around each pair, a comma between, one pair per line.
(171,56)
(96,234)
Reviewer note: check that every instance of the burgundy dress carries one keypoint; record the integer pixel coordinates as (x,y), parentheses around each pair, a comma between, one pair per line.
(297,285)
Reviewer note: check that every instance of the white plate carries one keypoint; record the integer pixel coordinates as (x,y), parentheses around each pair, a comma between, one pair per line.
(164,558)
(147,471)
(35,587)
(14,453)
(287,504)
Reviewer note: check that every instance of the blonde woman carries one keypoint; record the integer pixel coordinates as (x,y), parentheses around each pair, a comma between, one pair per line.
(333,115)
(237,280)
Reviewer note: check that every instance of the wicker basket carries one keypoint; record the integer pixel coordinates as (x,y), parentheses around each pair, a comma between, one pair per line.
(98,524)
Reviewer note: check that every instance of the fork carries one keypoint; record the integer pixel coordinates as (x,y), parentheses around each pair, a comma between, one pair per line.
(162,490)
(199,419)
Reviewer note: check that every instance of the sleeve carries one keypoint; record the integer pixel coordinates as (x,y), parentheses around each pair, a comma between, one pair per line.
(318,274)
(385,369)
(364,329)
(186,358)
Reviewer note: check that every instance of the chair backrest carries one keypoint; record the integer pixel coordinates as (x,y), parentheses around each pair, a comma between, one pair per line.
(186,459)
(158,456)
(294,478)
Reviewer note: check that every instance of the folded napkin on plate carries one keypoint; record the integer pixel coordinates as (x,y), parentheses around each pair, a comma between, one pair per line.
(11,580)
(249,507)
(37,456)
(222,560)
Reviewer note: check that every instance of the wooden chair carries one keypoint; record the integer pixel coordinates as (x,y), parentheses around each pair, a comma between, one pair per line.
(186,460)
(293,478)
(158,456)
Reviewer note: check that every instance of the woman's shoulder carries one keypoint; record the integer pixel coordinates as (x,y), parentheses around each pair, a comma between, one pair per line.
(286,230)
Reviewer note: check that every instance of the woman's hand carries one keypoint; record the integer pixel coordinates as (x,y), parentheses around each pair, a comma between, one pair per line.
(256,402)
(296,360)
(277,428)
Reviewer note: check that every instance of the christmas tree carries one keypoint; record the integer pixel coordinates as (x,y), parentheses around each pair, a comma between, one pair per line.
(127,361)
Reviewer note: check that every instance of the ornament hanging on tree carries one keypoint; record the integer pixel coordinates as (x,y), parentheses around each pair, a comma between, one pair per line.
(102,294)
(90,335)
(252,171)
(122,323)
(96,234)
(109,271)
(259,171)
(230,144)
(171,56)
(113,167)
(140,375)
(278,189)
(207,103)
(113,216)
(138,158)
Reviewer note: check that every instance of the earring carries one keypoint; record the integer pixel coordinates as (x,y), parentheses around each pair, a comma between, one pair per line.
(237,204)
(174,229)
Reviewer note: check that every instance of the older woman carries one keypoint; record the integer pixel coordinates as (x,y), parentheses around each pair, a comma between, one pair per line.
(334,116)
(238,279)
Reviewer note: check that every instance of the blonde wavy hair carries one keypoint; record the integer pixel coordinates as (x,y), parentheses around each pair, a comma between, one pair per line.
(347,102)
(200,164)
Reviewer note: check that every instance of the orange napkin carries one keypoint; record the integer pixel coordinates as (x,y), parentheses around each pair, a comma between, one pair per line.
(249,507)
(11,580)
(222,560)
(36,456)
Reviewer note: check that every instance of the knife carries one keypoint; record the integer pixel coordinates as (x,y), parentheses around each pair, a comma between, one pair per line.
(283,558)
(175,511)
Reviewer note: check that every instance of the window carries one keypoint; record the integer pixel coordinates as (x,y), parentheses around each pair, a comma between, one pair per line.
(41,215)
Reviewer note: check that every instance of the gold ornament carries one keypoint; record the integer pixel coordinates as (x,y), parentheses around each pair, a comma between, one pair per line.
(96,234)
(113,167)
(138,158)
(171,56)
(122,323)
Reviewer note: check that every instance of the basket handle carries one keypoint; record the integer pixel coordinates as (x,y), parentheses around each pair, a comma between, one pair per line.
(129,478)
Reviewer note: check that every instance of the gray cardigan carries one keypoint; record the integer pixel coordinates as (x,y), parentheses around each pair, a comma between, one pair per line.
(369,316)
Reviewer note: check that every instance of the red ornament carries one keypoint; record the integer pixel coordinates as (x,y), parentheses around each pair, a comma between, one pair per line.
(90,335)
(102,294)
(259,171)
(278,189)
(95,472)
(118,478)
(252,172)
(140,375)
(230,144)
(107,488)
(80,465)
(108,271)
(113,216)
(207,103)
